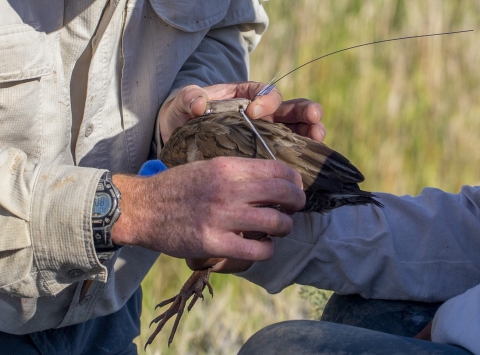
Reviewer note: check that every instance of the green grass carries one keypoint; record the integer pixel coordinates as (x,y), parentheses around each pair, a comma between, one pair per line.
(406,113)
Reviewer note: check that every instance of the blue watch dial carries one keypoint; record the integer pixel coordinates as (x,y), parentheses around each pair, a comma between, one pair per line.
(102,204)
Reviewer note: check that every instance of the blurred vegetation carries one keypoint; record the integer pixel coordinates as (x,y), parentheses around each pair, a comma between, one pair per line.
(406,113)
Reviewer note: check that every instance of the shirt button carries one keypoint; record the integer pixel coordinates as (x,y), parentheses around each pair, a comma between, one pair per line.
(86,299)
(88,129)
(75,273)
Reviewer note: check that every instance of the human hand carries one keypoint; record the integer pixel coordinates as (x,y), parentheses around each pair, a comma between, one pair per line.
(198,210)
(301,115)
(229,265)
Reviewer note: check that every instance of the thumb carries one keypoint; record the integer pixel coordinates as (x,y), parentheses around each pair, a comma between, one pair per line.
(191,101)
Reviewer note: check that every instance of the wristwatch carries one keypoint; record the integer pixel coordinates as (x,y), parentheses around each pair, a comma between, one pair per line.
(105,212)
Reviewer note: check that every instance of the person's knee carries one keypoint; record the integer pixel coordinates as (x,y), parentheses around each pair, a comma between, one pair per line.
(290,337)
(317,337)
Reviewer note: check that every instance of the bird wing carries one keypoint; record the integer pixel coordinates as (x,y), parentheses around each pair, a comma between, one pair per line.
(227,134)
(329,179)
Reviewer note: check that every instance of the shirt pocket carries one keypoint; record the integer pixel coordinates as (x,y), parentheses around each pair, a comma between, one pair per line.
(23,54)
(24,60)
(191,16)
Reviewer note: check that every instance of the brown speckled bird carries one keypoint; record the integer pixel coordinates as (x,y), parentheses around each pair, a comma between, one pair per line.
(329,179)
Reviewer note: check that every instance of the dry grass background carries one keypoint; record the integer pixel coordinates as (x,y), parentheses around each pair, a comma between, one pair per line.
(407,113)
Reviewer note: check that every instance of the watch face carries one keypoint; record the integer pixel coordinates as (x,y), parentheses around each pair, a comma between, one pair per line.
(101,205)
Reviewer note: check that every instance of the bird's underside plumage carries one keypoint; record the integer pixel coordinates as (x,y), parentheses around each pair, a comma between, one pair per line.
(329,179)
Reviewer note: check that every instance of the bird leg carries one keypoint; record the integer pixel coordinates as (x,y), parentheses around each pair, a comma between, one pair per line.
(194,286)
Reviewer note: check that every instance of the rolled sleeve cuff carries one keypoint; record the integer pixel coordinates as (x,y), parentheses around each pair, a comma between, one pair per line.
(60,227)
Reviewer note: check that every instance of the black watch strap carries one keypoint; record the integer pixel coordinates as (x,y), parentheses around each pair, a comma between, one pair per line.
(105,212)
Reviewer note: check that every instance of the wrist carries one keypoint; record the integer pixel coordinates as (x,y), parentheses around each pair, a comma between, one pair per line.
(124,230)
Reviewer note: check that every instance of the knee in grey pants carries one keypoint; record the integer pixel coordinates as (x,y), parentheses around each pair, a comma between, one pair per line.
(316,337)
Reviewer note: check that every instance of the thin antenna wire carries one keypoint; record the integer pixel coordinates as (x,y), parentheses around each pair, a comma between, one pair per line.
(366,44)
(256,133)
(269,87)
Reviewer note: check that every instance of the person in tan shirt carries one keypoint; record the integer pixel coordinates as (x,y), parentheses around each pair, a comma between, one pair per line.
(82,85)
(89,86)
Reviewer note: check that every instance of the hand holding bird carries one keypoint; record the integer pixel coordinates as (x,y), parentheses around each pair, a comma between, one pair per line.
(302,116)
(329,179)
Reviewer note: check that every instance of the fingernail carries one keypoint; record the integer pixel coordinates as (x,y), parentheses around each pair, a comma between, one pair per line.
(324,131)
(317,113)
(257,111)
(192,101)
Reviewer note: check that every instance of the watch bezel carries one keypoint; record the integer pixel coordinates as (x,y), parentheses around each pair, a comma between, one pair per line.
(102,225)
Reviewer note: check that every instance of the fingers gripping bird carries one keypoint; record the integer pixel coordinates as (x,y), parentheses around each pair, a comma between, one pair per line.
(329,179)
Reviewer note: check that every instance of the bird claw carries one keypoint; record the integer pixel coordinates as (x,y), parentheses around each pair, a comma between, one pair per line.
(193,287)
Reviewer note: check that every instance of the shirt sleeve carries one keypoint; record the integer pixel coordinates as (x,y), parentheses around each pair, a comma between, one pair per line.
(45,226)
(222,56)
(457,321)
(424,248)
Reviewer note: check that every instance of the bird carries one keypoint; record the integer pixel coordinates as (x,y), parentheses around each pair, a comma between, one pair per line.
(329,179)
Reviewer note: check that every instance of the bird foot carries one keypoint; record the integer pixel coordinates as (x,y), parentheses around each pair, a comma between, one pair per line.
(194,286)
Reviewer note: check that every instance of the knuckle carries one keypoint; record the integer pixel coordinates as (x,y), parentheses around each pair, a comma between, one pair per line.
(274,221)
(280,189)
(250,251)
(223,168)
(281,224)
(277,168)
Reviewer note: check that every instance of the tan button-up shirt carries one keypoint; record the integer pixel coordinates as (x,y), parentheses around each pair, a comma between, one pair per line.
(81,83)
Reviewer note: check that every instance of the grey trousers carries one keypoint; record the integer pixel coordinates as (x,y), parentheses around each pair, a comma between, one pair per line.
(353,325)
(318,337)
